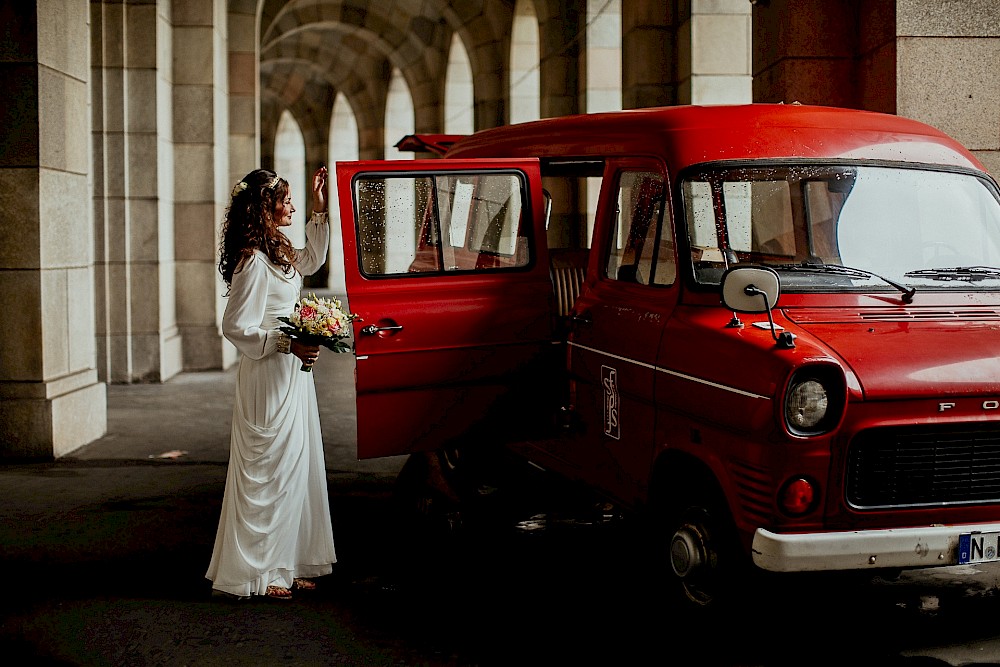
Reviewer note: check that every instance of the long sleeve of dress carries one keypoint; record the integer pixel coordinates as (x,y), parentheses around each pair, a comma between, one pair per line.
(245,310)
(310,259)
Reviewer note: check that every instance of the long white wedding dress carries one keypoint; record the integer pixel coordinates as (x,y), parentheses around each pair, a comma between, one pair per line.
(275,521)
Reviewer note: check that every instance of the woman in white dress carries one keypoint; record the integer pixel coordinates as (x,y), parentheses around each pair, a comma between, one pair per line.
(275,532)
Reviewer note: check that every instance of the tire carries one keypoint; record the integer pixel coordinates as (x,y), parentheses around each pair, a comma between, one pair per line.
(702,569)
(424,496)
(449,491)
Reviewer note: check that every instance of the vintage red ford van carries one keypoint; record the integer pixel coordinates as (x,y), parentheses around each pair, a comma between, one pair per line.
(773,328)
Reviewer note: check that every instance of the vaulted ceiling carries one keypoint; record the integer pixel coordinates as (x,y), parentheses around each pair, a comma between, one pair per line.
(310,50)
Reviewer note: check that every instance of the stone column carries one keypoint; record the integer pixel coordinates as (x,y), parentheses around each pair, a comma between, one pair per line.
(714,53)
(201,176)
(559,23)
(244,95)
(831,53)
(137,332)
(648,46)
(947,56)
(934,62)
(489,69)
(51,401)
(805,51)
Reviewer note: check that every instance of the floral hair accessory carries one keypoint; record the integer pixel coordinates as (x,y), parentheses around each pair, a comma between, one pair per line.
(238,188)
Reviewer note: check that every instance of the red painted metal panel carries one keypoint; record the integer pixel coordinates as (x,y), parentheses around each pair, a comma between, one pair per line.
(466,338)
(686,135)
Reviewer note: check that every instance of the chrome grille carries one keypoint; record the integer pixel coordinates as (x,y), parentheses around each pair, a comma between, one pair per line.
(924,467)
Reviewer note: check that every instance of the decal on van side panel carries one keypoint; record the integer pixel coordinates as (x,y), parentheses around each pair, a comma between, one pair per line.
(609,380)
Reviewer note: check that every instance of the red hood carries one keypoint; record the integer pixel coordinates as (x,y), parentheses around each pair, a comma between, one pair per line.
(912,354)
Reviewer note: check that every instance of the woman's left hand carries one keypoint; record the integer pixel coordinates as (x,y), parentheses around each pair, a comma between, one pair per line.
(319,190)
(307,353)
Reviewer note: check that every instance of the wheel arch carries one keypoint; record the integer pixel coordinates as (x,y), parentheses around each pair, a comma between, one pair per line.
(678,472)
(689,515)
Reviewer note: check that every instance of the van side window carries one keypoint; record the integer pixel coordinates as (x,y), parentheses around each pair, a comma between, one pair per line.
(441,223)
(635,254)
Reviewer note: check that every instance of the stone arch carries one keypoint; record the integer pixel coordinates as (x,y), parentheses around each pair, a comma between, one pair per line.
(289,163)
(356,45)
(459,92)
(399,116)
(400,217)
(485,29)
(525,63)
(309,97)
(344,145)
(603,65)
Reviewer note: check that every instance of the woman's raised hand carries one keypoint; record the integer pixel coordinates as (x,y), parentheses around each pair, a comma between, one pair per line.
(319,190)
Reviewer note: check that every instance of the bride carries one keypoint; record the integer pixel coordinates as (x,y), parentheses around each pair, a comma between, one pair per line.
(275,533)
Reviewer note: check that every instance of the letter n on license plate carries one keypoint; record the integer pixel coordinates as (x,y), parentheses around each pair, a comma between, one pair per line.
(978,547)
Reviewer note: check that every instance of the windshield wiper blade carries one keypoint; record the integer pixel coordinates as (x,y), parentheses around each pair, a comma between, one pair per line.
(842,270)
(966,273)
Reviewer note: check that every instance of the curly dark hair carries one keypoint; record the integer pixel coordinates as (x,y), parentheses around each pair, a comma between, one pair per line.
(249,224)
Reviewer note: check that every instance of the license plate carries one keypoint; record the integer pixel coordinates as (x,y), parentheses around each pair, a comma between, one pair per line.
(978,547)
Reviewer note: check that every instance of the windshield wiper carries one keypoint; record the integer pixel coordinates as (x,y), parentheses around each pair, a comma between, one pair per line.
(840,270)
(966,273)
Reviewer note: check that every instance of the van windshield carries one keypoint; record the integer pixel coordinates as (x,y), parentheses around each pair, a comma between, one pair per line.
(846,227)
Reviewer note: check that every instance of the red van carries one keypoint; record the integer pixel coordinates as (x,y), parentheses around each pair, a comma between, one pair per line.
(774,328)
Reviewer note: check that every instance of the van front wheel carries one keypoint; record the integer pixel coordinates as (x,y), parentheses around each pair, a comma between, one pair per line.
(698,554)
(694,558)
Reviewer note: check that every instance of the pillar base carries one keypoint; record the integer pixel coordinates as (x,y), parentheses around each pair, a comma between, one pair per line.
(46,426)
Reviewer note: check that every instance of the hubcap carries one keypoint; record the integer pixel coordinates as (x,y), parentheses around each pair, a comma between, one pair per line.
(687,551)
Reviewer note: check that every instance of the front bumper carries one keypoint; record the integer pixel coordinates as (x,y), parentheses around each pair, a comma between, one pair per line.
(929,546)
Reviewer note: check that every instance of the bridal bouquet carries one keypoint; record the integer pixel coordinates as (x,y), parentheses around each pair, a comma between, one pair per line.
(319,321)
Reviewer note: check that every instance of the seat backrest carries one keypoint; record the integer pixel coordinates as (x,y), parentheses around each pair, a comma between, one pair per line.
(568,267)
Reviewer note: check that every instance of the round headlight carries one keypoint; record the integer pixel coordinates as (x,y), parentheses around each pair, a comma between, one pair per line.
(806,405)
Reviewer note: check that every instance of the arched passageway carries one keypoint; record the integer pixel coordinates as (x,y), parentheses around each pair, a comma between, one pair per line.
(151,111)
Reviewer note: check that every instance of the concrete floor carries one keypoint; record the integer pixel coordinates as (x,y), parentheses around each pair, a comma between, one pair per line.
(105,552)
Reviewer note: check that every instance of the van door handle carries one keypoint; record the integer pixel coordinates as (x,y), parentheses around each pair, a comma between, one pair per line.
(583,318)
(371,329)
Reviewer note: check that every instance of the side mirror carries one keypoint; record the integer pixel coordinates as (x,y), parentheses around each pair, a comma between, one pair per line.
(754,289)
(743,289)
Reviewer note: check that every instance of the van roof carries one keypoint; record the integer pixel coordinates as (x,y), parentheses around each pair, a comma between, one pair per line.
(688,135)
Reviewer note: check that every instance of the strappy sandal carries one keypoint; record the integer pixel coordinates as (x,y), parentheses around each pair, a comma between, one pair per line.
(304,584)
(278,593)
